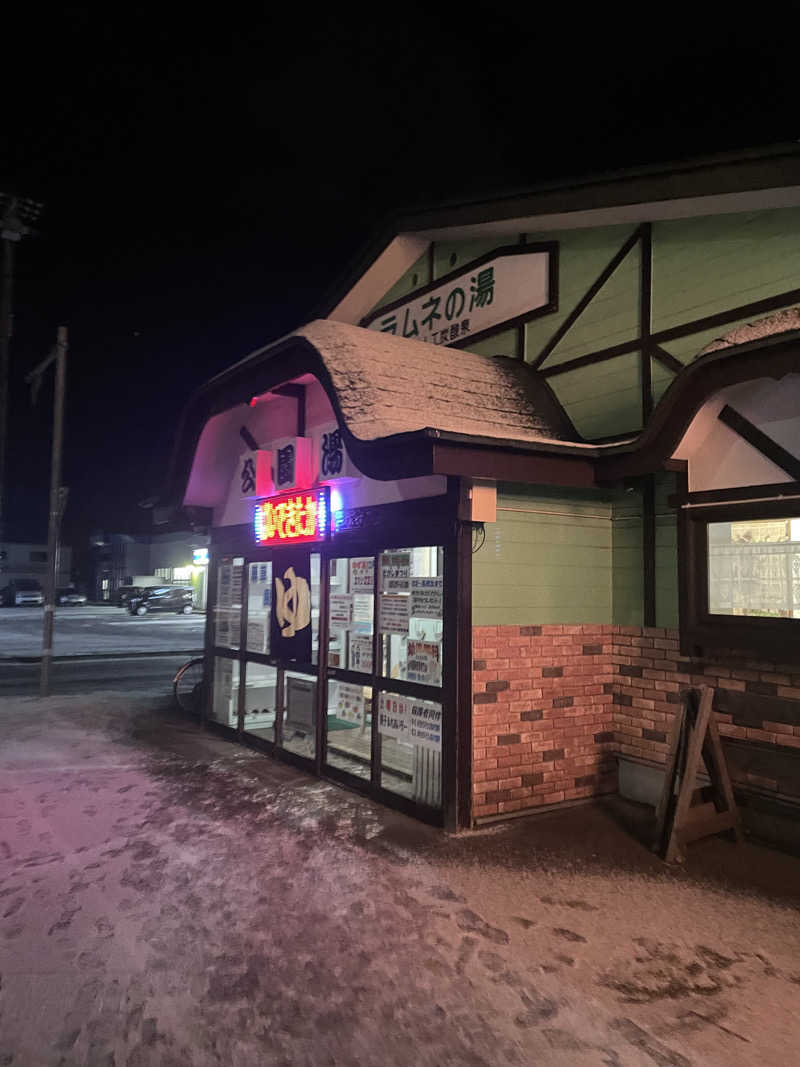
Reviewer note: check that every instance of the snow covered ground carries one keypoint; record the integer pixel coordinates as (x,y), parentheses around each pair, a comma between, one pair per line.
(89,630)
(168,898)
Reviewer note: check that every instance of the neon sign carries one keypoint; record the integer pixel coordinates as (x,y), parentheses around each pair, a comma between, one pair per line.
(293,518)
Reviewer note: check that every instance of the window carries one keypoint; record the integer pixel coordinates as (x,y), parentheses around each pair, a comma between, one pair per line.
(754,568)
(740,581)
(38,557)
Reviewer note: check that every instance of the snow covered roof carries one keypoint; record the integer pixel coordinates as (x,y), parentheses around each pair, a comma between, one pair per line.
(386,385)
(784,321)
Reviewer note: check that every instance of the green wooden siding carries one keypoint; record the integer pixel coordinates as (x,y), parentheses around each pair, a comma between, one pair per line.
(700,266)
(547,559)
(558,556)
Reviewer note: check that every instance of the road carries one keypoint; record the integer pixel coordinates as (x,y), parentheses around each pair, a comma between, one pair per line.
(168,898)
(137,675)
(97,629)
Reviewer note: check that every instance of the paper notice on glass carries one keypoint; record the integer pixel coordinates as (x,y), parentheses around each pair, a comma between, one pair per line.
(424,663)
(362,607)
(426,724)
(362,575)
(395,572)
(361,653)
(227,624)
(427,598)
(257,630)
(224,576)
(350,703)
(394,717)
(341,610)
(237,576)
(393,614)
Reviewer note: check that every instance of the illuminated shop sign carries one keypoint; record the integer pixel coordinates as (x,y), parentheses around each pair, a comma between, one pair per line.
(200,557)
(293,518)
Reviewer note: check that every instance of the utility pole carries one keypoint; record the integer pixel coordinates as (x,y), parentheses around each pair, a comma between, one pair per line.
(17,213)
(58,495)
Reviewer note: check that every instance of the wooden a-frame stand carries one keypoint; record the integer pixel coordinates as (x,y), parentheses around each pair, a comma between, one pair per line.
(686,812)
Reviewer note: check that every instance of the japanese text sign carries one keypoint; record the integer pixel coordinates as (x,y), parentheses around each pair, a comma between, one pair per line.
(512,284)
(293,518)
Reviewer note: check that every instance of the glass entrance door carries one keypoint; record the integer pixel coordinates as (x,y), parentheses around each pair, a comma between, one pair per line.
(348,719)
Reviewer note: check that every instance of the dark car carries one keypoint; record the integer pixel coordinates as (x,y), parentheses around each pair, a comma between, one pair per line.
(177,598)
(125,592)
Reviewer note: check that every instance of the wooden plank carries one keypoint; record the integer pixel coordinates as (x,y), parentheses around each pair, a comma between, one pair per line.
(663,809)
(697,724)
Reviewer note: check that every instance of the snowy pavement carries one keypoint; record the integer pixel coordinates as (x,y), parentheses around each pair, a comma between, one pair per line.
(167,898)
(98,629)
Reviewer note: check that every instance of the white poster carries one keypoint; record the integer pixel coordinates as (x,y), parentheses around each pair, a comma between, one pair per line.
(362,574)
(224,575)
(341,610)
(424,662)
(394,717)
(395,572)
(350,702)
(427,598)
(361,653)
(426,724)
(362,607)
(257,631)
(393,614)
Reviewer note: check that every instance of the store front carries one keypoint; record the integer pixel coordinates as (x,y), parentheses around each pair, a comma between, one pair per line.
(534,472)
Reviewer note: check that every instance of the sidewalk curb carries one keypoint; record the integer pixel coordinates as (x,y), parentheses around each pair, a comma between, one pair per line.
(90,657)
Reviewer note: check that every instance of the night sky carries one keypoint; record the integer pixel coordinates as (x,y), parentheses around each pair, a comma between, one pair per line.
(205,181)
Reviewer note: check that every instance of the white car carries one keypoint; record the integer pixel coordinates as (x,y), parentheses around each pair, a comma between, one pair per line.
(70,597)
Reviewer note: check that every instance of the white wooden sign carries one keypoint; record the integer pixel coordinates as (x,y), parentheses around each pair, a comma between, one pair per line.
(509,286)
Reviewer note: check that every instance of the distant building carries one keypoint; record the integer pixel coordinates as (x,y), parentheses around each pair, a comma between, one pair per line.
(174,558)
(29,561)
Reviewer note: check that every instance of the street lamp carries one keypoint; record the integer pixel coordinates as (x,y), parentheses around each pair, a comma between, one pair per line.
(17,216)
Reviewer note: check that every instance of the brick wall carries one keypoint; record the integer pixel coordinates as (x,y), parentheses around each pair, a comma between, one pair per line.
(542,716)
(555,705)
(757,706)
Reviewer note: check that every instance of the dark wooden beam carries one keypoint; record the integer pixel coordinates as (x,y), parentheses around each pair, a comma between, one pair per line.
(665,358)
(649,550)
(513,466)
(764,444)
(732,496)
(645,303)
(586,299)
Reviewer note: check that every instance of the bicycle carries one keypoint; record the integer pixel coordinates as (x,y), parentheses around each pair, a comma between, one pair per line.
(189,686)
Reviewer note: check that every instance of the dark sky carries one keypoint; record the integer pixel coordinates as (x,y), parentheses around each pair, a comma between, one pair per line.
(206,180)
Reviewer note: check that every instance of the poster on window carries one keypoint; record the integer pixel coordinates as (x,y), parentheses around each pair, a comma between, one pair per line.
(362,607)
(237,576)
(227,625)
(350,703)
(290,618)
(362,575)
(361,653)
(426,724)
(224,575)
(424,662)
(395,572)
(393,614)
(257,635)
(427,598)
(394,717)
(341,610)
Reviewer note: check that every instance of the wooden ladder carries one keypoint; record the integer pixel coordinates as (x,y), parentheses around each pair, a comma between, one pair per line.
(685,812)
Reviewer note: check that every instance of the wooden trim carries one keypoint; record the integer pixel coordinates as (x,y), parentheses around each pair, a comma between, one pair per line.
(776,639)
(731,496)
(586,299)
(248,439)
(666,359)
(649,550)
(492,464)
(686,329)
(645,314)
(762,442)
(461,605)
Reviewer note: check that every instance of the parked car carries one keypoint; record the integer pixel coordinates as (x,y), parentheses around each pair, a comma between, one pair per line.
(177,598)
(25,592)
(70,597)
(125,592)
